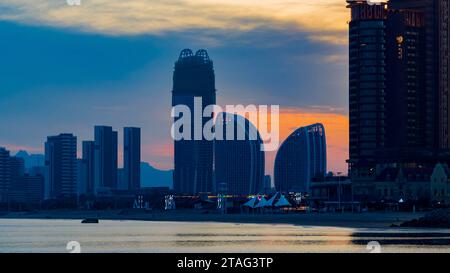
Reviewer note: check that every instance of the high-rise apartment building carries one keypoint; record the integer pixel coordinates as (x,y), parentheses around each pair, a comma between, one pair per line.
(105,157)
(61,163)
(398,83)
(5,174)
(132,157)
(88,167)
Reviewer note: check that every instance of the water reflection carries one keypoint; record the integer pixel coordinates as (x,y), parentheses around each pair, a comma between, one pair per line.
(404,237)
(141,236)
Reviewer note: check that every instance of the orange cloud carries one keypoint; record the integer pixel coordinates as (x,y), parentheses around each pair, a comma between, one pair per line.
(336,125)
(325,18)
(336,130)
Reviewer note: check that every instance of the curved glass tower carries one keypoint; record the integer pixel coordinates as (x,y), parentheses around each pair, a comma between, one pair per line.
(239,163)
(301,157)
(193,161)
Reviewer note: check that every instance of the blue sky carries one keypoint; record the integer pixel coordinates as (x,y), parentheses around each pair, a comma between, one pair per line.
(66,69)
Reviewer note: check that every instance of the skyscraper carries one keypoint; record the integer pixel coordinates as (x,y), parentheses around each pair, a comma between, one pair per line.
(34,188)
(437,66)
(81,180)
(239,163)
(406,97)
(61,163)
(105,157)
(367,86)
(301,157)
(88,166)
(399,86)
(132,157)
(5,174)
(193,161)
(18,188)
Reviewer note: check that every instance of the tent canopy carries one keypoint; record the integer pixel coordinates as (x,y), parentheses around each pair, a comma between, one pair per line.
(262,203)
(283,202)
(271,201)
(250,203)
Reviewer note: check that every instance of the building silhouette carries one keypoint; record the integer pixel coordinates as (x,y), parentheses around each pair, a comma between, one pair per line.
(239,163)
(5,174)
(88,167)
(436,28)
(64,176)
(16,185)
(31,160)
(399,95)
(398,84)
(267,185)
(121,183)
(35,188)
(366,84)
(407,126)
(105,157)
(12,170)
(300,158)
(61,163)
(17,189)
(81,181)
(132,157)
(193,161)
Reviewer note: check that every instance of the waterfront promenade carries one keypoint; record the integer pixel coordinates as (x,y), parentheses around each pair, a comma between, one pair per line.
(352,220)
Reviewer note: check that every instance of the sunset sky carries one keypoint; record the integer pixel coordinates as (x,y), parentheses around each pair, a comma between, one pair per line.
(110,62)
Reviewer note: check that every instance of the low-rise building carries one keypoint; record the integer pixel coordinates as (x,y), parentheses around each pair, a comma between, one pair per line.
(415,184)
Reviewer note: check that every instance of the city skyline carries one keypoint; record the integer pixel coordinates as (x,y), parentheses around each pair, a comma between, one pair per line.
(225,133)
(113,78)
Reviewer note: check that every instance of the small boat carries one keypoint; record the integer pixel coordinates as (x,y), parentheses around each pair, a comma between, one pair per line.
(90,221)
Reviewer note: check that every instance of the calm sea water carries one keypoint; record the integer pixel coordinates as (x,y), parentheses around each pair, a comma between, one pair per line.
(141,236)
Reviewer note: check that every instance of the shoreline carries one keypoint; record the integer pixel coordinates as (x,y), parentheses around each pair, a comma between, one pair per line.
(347,220)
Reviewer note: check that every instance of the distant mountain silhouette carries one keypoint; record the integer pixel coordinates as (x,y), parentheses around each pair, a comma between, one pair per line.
(31,160)
(152,177)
